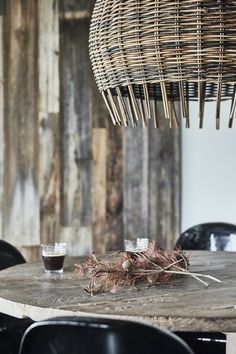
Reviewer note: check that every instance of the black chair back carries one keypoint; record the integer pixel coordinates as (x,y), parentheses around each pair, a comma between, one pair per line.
(80,335)
(214,236)
(205,342)
(11,329)
(9,255)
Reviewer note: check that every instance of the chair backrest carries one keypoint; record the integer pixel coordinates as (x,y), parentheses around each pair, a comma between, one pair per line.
(9,255)
(83,335)
(214,236)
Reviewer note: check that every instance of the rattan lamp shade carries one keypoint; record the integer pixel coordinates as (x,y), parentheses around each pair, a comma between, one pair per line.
(147,51)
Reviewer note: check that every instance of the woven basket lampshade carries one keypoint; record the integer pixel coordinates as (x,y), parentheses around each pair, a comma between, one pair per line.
(150,52)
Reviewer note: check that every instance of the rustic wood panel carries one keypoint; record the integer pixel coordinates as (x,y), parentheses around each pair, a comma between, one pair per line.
(167,170)
(135,183)
(66,172)
(99,150)
(49,124)
(98,110)
(151,183)
(1,118)
(114,212)
(21,197)
(76,130)
(153,176)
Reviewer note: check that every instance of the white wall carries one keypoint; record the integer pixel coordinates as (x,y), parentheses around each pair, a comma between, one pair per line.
(208,169)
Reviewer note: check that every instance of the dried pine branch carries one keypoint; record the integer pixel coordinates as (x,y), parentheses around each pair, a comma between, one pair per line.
(153,266)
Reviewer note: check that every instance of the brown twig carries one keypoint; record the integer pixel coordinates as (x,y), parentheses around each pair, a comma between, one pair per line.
(152,266)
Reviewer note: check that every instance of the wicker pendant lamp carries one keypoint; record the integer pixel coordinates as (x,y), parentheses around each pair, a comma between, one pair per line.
(144,52)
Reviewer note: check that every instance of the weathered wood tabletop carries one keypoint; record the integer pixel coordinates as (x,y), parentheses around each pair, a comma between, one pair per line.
(185,304)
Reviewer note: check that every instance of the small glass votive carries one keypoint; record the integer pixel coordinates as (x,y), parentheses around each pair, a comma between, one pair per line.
(130,245)
(142,244)
(53,256)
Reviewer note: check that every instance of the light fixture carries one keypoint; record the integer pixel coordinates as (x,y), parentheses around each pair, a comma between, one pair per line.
(147,51)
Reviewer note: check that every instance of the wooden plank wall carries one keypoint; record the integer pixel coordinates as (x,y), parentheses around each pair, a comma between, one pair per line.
(21,154)
(65,172)
(49,119)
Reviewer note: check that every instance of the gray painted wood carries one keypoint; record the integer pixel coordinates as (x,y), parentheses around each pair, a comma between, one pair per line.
(184,304)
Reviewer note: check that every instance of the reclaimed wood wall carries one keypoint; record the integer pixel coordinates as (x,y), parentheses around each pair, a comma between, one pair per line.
(65,172)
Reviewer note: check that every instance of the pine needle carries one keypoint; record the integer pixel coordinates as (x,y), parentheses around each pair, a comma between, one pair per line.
(153,266)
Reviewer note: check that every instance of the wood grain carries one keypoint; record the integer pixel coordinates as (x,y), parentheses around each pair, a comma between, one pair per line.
(49,124)
(183,305)
(167,183)
(21,196)
(76,129)
(115,199)
(135,183)
(65,172)
(99,190)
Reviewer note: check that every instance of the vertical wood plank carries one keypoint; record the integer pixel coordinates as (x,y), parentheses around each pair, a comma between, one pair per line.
(166,171)
(1,118)
(135,183)
(49,128)
(153,191)
(152,183)
(76,128)
(21,198)
(114,212)
(99,190)
(130,189)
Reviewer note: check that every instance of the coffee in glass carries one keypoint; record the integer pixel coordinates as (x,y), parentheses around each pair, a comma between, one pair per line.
(53,256)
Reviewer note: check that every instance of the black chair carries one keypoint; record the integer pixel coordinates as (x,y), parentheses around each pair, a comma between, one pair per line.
(83,335)
(11,328)
(214,236)
(9,255)
(205,342)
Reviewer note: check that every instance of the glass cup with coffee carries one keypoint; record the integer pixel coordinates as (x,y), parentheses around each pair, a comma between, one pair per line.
(53,256)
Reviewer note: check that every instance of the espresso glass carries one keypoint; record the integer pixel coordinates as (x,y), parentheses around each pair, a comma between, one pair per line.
(53,256)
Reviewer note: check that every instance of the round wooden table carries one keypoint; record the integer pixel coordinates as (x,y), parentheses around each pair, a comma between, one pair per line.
(183,305)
